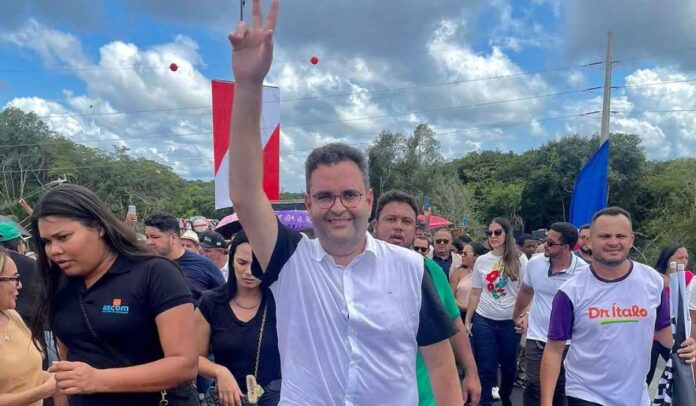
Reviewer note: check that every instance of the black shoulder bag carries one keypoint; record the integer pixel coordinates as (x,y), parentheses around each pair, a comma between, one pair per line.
(182,395)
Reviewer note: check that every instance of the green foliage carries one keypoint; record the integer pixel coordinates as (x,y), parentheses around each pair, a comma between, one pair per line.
(33,157)
(671,193)
(535,186)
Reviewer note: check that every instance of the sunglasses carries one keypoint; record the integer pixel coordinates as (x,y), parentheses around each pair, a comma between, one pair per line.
(497,232)
(420,249)
(550,243)
(441,241)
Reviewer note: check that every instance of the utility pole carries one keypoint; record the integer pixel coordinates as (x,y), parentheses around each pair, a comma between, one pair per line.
(606,103)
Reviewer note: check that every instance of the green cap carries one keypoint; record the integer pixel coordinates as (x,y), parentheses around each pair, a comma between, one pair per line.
(8,231)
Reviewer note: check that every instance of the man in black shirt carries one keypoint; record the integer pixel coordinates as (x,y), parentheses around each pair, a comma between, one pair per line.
(442,254)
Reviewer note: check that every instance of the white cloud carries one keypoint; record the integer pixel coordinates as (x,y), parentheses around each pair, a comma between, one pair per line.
(127,79)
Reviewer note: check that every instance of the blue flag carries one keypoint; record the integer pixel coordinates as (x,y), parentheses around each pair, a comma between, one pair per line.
(590,192)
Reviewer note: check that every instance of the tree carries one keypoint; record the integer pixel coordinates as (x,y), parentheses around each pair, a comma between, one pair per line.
(23,139)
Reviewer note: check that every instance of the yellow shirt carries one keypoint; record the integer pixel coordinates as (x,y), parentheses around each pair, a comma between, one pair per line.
(20,361)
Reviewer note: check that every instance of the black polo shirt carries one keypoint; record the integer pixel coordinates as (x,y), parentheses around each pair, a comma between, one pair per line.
(445,264)
(121,306)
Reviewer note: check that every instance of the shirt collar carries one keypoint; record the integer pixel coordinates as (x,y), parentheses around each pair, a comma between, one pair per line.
(318,252)
(570,270)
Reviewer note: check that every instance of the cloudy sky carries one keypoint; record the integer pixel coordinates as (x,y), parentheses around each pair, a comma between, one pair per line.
(494,74)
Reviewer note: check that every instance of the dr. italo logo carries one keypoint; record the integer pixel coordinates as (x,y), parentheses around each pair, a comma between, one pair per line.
(116,307)
(617,314)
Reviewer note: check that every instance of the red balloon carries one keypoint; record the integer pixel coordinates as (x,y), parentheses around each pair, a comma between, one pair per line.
(173,67)
(314,60)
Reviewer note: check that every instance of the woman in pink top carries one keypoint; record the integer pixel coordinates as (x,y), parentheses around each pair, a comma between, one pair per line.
(460,278)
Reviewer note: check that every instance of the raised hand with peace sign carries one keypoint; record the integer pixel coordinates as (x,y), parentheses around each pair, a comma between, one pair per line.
(253,46)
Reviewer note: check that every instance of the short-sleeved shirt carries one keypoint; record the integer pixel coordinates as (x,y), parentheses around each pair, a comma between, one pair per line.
(498,291)
(363,322)
(538,276)
(121,306)
(201,273)
(235,342)
(444,292)
(611,325)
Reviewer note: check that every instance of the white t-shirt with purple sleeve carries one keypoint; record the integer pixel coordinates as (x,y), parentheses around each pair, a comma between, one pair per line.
(611,325)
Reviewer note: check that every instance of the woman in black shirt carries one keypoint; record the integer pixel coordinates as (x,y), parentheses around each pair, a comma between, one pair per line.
(122,317)
(230,318)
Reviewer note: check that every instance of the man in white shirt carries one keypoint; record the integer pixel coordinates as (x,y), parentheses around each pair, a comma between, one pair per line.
(543,275)
(352,312)
(610,314)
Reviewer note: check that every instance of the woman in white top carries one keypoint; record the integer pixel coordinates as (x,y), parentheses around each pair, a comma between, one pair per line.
(22,382)
(460,278)
(494,287)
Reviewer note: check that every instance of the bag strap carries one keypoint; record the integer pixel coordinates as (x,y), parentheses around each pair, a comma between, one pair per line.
(258,347)
(114,353)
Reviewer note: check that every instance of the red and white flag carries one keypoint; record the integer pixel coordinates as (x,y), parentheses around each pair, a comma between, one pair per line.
(223,99)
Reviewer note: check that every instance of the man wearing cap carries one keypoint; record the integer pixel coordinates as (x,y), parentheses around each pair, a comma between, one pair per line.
(11,240)
(214,247)
(190,242)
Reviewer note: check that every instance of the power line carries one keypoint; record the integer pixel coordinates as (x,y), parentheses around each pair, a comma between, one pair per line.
(344,120)
(158,110)
(293,151)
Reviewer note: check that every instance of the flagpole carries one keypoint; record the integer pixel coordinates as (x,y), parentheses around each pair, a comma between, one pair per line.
(606,103)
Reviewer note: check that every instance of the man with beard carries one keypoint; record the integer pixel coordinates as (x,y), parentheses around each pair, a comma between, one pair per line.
(162,237)
(352,311)
(543,276)
(611,315)
(396,223)
(584,250)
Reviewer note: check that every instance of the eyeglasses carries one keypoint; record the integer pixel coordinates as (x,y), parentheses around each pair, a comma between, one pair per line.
(443,241)
(420,249)
(349,198)
(14,279)
(550,243)
(497,232)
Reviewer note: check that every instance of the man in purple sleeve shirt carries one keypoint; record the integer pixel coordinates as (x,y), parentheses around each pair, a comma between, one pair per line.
(610,315)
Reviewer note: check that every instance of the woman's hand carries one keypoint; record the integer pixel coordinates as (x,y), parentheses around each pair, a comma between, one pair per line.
(75,378)
(228,390)
(48,388)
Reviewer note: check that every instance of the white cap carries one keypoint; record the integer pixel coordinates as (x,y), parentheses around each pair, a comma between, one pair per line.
(190,235)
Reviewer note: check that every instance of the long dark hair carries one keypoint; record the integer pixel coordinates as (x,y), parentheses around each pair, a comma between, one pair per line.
(511,256)
(238,239)
(82,205)
(477,247)
(662,264)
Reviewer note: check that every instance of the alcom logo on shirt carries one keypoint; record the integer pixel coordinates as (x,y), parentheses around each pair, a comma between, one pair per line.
(617,314)
(115,307)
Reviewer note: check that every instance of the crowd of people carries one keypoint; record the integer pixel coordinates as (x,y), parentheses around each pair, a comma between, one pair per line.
(378,309)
